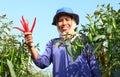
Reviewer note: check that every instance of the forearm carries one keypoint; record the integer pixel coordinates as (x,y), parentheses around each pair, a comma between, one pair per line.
(33,52)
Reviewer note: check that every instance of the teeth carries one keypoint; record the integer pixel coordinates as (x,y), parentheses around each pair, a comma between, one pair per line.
(65,28)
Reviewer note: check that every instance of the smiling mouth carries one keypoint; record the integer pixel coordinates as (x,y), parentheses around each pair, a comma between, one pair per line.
(65,28)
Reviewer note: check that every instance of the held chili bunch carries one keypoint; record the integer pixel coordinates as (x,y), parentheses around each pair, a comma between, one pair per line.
(25,26)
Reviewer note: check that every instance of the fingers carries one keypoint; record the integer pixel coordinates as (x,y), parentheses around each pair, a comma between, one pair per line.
(28,38)
(27,33)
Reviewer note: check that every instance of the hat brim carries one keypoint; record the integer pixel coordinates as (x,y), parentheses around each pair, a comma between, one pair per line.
(73,16)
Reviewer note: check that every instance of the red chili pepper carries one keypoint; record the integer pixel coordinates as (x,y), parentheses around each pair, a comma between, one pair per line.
(25,25)
(33,25)
(19,29)
(101,54)
(102,57)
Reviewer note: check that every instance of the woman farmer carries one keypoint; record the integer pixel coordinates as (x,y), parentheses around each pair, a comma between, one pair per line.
(63,65)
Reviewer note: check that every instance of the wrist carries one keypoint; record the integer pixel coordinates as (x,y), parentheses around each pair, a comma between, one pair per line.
(30,45)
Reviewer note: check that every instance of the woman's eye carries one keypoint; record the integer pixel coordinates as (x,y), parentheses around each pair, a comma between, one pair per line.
(60,20)
(67,19)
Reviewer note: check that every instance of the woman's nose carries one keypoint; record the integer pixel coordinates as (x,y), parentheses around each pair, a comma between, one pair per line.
(64,22)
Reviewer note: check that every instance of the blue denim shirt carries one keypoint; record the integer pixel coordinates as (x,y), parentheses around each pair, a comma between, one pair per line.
(63,64)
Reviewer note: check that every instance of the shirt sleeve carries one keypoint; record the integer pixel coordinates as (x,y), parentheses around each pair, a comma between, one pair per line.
(45,59)
(92,61)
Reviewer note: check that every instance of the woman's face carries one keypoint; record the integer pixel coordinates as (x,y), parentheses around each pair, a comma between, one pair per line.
(64,24)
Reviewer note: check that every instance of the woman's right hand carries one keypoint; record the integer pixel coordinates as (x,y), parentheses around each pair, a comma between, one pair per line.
(28,39)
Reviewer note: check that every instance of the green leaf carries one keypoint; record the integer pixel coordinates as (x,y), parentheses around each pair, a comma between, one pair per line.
(109,30)
(69,52)
(95,50)
(90,37)
(99,37)
(114,23)
(10,65)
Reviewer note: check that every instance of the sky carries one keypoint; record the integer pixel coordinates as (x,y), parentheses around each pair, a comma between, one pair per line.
(44,11)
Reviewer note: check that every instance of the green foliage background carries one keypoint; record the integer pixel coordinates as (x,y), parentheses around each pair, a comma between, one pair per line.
(103,31)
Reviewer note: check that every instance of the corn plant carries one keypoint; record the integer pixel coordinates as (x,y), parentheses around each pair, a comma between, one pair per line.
(12,51)
(104,33)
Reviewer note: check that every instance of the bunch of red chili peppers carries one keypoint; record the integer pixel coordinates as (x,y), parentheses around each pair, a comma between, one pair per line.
(25,25)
